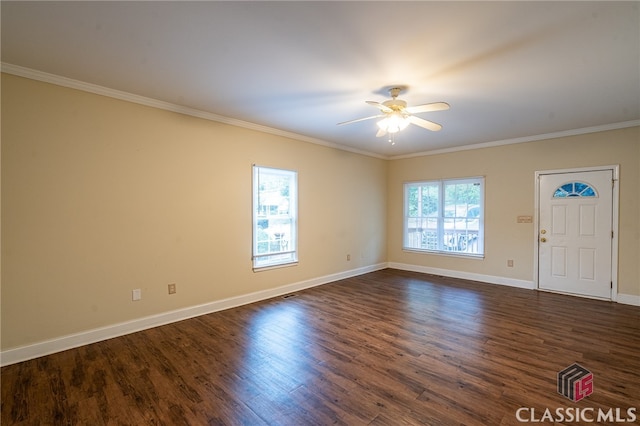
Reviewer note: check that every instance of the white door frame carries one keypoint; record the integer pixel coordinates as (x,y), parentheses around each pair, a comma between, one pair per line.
(615,169)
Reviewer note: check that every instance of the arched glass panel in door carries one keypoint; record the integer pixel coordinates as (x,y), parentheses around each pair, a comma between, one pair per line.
(575,189)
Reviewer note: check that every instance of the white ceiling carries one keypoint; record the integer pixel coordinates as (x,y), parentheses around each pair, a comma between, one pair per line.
(511,71)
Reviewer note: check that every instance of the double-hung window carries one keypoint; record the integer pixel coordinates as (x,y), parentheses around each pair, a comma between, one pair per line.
(275,224)
(445,216)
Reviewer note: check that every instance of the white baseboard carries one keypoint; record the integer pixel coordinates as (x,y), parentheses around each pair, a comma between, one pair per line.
(491,279)
(24,353)
(628,299)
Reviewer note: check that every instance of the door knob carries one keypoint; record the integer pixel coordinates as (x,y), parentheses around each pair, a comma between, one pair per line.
(543,240)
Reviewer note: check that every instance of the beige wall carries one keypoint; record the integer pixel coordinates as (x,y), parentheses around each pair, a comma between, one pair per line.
(102,196)
(509,192)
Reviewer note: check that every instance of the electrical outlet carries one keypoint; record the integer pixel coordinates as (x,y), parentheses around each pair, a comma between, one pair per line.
(172,288)
(136,294)
(510,263)
(348,257)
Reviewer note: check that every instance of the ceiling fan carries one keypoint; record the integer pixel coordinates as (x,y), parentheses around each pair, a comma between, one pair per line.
(395,115)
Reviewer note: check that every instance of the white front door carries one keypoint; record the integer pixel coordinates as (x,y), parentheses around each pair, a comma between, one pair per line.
(575,233)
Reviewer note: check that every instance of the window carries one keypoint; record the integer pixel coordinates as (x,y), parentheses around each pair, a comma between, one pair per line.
(574,189)
(445,216)
(275,209)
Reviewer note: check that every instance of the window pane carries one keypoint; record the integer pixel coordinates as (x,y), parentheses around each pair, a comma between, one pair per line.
(421,207)
(274,216)
(462,199)
(412,194)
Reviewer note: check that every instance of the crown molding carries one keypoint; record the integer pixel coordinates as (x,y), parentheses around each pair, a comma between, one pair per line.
(532,138)
(180,109)
(45,77)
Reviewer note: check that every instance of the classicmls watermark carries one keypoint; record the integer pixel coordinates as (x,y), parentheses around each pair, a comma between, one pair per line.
(576,383)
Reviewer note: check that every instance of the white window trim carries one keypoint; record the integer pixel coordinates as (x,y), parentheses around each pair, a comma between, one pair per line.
(293,213)
(441,183)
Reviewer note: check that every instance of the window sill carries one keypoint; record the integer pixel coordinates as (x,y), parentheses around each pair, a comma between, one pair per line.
(278,266)
(445,253)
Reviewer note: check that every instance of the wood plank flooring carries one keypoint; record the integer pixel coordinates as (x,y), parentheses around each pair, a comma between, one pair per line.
(385,348)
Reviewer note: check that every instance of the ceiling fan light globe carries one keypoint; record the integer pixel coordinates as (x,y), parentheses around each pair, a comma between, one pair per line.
(393,123)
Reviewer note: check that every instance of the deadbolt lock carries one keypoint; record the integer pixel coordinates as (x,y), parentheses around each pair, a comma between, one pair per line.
(544,231)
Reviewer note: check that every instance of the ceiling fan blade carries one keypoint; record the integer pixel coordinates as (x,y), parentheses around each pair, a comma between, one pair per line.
(382,107)
(381,133)
(360,119)
(436,106)
(429,125)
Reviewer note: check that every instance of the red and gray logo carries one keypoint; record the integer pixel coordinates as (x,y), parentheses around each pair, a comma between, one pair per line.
(575,382)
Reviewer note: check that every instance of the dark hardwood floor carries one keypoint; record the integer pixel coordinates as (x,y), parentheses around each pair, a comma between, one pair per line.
(385,348)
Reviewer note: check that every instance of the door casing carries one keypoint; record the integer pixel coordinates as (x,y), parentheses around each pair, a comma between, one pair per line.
(615,169)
